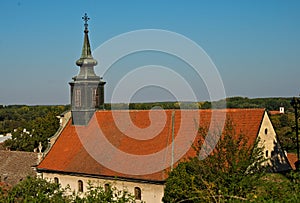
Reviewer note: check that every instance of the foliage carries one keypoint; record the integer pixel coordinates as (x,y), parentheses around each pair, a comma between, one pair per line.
(267,103)
(98,194)
(15,116)
(39,191)
(284,127)
(232,102)
(230,173)
(39,121)
(34,190)
(279,188)
(151,105)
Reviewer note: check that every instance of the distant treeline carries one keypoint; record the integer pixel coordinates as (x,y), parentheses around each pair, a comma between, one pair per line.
(233,102)
(41,122)
(15,116)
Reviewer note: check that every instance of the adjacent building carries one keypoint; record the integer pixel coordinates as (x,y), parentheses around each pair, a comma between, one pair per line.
(17,165)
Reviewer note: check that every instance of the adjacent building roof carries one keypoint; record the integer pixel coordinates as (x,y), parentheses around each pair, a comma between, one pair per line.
(112,145)
(17,165)
(292,159)
(274,112)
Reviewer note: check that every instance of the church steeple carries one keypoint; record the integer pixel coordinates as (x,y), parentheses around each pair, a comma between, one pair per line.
(86,55)
(86,61)
(87,89)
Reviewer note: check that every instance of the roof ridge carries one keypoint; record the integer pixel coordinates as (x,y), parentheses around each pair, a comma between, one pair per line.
(145,110)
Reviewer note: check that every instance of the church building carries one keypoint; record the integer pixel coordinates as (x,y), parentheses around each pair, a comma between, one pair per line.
(116,147)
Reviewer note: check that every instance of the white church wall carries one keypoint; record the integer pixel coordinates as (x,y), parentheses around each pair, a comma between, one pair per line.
(150,193)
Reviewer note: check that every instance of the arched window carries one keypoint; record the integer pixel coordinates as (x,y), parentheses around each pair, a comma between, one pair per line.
(137,193)
(106,187)
(266,131)
(267,153)
(56,181)
(80,186)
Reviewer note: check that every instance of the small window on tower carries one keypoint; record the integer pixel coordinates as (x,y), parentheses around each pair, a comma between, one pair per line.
(95,97)
(78,98)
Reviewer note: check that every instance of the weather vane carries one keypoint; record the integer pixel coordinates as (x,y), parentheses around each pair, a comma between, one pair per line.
(85,18)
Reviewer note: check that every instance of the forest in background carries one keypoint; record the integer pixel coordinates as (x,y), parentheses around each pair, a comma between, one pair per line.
(269,104)
(41,122)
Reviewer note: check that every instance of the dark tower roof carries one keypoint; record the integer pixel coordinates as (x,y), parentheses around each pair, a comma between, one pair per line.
(86,61)
(86,55)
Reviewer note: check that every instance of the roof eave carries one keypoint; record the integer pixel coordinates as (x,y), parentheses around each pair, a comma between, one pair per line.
(127,179)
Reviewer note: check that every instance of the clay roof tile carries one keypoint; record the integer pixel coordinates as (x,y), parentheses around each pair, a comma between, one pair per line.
(139,133)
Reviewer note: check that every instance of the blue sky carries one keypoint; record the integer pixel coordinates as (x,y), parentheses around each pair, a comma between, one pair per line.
(254,44)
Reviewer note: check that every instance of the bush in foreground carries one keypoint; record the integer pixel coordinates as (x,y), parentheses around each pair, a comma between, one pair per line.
(37,190)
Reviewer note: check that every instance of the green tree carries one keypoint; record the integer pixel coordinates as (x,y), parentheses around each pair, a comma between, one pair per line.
(96,193)
(43,128)
(231,172)
(39,130)
(21,141)
(284,127)
(34,190)
(279,188)
(38,190)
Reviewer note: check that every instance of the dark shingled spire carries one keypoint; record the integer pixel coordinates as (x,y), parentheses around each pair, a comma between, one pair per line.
(86,55)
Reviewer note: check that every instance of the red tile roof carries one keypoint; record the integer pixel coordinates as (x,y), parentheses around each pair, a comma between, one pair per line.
(274,112)
(292,159)
(113,146)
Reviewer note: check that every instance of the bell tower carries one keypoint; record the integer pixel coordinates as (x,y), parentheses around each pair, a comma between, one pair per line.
(87,89)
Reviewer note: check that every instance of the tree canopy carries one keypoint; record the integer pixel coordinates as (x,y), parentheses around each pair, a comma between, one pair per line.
(231,102)
(230,172)
(284,125)
(42,191)
(233,172)
(40,123)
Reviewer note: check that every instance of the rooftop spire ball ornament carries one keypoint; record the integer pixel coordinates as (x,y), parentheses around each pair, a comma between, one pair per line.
(85,18)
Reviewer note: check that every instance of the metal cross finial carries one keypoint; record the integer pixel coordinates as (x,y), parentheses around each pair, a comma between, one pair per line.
(85,18)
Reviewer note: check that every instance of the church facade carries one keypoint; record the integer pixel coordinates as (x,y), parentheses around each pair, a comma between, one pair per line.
(94,145)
